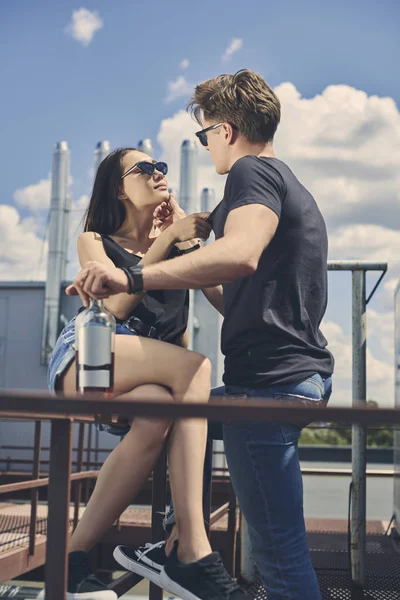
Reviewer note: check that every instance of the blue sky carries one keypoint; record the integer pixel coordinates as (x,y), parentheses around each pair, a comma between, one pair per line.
(54,87)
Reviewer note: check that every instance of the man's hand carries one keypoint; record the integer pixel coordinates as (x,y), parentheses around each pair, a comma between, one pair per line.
(97,280)
(194,226)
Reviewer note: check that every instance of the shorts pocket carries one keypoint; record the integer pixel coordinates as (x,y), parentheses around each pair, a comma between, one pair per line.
(68,334)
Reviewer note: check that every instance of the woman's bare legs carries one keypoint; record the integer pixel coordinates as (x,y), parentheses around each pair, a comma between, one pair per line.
(143,362)
(185,459)
(124,472)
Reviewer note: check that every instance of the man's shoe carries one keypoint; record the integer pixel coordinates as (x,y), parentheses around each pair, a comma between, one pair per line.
(82,584)
(146,561)
(206,579)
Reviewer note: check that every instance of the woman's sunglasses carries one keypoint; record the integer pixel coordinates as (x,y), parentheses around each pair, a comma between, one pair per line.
(148,168)
(202,135)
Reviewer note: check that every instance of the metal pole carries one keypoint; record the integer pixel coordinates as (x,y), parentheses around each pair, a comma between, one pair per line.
(159,493)
(359,445)
(58,509)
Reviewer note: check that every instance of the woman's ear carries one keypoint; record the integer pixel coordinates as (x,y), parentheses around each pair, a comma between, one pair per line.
(121,193)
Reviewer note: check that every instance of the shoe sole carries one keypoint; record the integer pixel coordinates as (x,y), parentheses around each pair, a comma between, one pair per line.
(102,595)
(138,568)
(171,586)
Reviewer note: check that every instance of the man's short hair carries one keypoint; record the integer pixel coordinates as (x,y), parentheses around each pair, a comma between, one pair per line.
(243,99)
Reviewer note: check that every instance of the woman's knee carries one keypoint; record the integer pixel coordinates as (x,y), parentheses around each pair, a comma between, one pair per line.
(194,379)
(156,430)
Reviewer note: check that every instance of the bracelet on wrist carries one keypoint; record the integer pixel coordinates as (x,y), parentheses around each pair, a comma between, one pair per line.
(135,278)
(191,249)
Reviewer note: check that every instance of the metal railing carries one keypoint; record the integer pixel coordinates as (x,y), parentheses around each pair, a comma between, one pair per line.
(57,491)
(62,411)
(358,492)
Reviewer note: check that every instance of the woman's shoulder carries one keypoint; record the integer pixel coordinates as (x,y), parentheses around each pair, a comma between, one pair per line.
(89,237)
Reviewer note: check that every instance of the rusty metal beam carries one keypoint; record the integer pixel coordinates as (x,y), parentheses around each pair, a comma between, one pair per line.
(35,492)
(35,405)
(219,513)
(79,464)
(158,505)
(58,515)
(37,483)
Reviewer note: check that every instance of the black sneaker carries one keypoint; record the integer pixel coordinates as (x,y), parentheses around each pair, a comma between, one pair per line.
(82,584)
(147,560)
(206,579)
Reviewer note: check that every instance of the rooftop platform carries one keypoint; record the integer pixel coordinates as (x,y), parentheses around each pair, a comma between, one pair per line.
(25,536)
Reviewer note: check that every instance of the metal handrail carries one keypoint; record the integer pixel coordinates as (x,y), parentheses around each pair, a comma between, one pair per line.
(62,411)
(58,483)
(33,405)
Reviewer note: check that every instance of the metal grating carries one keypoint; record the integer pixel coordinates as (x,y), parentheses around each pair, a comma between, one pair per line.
(12,592)
(14,531)
(14,525)
(331,563)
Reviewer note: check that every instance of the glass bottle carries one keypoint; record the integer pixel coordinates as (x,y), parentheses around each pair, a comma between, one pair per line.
(94,341)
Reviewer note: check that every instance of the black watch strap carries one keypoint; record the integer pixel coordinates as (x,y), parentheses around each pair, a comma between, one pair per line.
(187,250)
(135,278)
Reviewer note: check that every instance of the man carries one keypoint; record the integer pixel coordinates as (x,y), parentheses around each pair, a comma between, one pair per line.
(270,254)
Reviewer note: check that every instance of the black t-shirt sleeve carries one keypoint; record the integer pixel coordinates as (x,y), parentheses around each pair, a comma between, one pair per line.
(253,180)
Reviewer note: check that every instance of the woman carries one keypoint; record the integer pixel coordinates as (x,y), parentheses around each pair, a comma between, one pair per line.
(130,188)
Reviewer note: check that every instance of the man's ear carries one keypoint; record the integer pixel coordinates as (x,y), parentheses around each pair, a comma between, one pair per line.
(229,133)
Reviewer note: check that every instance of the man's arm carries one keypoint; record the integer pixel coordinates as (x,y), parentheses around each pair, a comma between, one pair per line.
(248,231)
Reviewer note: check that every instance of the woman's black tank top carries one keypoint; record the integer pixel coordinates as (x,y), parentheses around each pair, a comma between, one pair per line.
(166,310)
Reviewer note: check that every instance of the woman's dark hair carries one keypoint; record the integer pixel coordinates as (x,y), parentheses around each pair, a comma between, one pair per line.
(106,213)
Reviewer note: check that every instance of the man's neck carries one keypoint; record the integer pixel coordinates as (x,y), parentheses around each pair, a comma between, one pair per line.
(247,149)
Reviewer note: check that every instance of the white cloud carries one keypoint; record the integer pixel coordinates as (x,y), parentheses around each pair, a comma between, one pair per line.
(380,374)
(387,294)
(178,88)
(172,133)
(343,145)
(371,242)
(330,141)
(184,64)
(36,197)
(23,254)
(235,45)
(84,25)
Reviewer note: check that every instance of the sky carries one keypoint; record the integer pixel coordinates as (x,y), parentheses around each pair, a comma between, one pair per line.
(124,70)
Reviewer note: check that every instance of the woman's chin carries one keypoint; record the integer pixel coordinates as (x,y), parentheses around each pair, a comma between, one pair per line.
(162,193)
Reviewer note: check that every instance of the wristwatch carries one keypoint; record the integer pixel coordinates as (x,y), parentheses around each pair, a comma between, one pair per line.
(135,278)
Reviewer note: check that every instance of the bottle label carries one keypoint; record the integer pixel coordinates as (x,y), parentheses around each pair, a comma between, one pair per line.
(94,346)
(98,378)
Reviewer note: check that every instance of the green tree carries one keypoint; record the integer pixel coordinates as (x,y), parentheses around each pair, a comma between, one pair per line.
(340,435)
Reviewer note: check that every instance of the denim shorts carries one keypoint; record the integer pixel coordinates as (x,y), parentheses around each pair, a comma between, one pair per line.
(63,355)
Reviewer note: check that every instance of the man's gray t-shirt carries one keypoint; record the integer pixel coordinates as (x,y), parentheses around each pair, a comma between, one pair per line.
(271,334)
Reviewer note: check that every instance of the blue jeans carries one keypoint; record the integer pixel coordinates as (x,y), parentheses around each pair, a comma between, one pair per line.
(265,472)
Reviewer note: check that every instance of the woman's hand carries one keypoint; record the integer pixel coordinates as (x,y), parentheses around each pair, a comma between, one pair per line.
(188,228)
(167,213)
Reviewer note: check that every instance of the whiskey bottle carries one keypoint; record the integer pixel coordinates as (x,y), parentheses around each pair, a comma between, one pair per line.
(94,342)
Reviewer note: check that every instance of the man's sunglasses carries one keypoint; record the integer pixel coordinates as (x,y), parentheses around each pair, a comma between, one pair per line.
(148,168)
(202,135)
